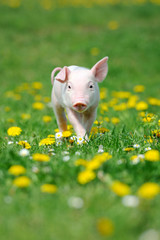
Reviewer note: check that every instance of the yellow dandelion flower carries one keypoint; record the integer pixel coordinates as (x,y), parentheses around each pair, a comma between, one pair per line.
(94,131)
(56,130)
(149,190)
(120,188)
(113,102)
(38,106)
(86,176)
(121,94)
(14,4)
(47,141)
(7,109)
(24,144)
(17,97)
(156,133)
(120,107)
(69,127)
(103,130)
(149,140)
(37,98)
(141,106)
(51,136)
(105,227)
(16,170)
(94,51)
(106,119)
(47,119)
(93,164)
(115,120)
(139,88)
(152,155)
(113,25)
(104,107)
(147,119)
(134,157)
(154,101)
(14,131)
(142,114)
(40,157)
(103,93)
(48,188)
(25,116)
(103,157)
(37,85)
(22,182)
(132,101)
(80,162)
(129,149)
(10,120)
(46,99)
(155,2)
(47,4)
(66,134)
(98,122)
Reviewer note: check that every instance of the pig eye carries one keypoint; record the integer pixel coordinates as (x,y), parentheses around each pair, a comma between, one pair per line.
(69,86)
(91,85)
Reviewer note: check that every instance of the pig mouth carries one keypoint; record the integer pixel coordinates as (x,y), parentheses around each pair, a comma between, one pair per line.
(80,107)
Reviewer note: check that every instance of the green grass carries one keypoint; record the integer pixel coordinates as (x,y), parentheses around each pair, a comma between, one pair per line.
(33,41)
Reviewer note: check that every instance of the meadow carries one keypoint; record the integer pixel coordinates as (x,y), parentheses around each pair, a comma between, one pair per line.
(57,186)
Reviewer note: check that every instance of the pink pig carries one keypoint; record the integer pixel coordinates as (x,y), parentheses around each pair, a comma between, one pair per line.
(76,90)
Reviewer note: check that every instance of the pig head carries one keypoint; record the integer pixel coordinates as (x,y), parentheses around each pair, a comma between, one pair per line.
(75,89)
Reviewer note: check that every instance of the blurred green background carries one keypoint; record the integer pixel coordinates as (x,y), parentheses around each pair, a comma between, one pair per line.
(36,36)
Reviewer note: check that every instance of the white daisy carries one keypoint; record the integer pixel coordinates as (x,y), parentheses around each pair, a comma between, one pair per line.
(58,143)
(141,156)
(100,150)
(130,201)
(135,161)
(7,199)
(119,162)
(136,145)
(66,158)
(58,135)
(65,153)
(24,152)
(77,153)
(150,234)
(75,202)
(73,138)
(147,149)
(80,140)
(35,169)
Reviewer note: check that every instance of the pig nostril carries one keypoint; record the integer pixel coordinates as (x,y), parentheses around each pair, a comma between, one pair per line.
(80,105)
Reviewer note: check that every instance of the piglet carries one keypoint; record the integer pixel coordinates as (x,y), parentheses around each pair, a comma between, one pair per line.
(75,89)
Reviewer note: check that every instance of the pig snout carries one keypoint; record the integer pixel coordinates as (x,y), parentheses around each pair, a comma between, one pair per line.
(80,106)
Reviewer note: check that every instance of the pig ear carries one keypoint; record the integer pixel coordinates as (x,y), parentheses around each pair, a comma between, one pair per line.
(53,73)
(100,69)
(62,76)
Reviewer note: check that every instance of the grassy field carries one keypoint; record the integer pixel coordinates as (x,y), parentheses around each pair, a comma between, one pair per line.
(109,187)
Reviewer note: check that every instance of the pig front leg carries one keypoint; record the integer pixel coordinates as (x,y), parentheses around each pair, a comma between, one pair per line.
(89,118)
(60,115)
(82,122)
(76,119)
